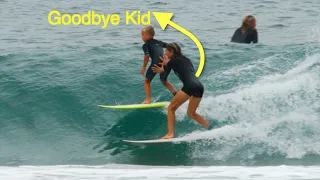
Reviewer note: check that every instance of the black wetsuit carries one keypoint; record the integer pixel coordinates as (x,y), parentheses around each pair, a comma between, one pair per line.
(251,35)
(154,48)
(184,69)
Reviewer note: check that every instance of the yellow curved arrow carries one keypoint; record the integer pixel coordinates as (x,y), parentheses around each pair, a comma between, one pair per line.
(164,19)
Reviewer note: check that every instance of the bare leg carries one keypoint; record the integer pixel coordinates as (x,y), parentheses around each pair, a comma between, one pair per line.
(147,89)
(169,86)
(193,105)
(176,102)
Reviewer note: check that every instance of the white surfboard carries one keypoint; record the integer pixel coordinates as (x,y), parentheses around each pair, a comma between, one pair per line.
(205,135)
(155,141)
(138,106)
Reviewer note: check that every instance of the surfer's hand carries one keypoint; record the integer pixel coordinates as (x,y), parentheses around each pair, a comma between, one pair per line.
(164,60)
(142,70)
(157,69)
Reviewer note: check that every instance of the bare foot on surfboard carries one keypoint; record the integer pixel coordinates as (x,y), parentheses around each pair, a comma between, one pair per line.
(147,101)
(168,136)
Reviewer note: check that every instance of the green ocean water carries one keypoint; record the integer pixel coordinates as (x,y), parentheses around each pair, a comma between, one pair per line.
(264,97)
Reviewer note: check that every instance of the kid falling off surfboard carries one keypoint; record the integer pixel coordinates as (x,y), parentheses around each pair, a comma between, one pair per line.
(153,49)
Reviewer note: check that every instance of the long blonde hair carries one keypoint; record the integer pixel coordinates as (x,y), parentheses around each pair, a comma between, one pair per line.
(246,21)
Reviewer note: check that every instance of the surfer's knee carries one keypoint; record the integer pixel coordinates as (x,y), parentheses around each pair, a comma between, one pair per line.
(172,108)
(147,81)
(191,114)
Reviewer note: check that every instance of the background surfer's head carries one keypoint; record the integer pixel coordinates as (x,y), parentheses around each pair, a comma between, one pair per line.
(248,22)
(147,33)
(173,49)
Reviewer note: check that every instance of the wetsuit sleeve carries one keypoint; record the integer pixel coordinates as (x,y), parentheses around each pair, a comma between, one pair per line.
(164,44)
(255,37)
(166,72)
(235,37)
(145,49)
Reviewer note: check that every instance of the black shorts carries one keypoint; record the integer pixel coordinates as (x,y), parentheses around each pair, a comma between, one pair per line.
(163,76)
(194,89)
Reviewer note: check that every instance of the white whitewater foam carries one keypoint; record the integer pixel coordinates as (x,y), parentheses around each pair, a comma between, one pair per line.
(279,112)
(123,172)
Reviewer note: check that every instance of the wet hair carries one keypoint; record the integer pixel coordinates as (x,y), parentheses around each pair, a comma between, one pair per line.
(175,48)
(245,23)
(149,29)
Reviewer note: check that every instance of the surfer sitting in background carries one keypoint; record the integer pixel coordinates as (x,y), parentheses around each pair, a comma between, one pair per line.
(153,48)
(247,33)
(192,88)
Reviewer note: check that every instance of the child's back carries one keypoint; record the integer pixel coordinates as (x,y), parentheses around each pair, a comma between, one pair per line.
(154,48)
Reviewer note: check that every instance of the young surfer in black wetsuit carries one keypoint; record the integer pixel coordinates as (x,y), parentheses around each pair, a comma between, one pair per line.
(247,33)
(192,88)
(153,49)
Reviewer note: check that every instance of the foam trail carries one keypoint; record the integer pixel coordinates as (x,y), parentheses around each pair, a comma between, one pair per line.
(277,114)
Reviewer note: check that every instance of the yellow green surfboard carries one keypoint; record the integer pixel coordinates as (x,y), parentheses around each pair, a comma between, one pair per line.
(138,106)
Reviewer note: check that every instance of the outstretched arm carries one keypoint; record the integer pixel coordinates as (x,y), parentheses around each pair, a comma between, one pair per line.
(160,69)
